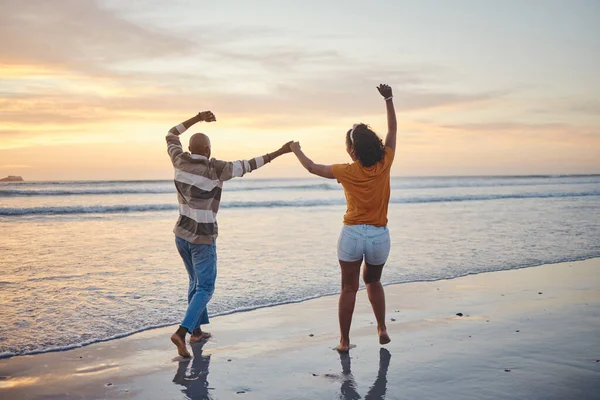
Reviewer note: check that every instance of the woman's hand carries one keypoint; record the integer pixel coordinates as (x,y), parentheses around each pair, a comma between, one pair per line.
(295,147)
(385,91)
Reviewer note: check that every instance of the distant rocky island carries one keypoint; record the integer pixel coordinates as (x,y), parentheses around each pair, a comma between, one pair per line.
(11,178)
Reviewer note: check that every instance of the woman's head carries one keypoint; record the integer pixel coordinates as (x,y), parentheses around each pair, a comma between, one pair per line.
(364,145)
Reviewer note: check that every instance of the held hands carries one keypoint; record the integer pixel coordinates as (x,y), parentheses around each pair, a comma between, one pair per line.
(385,91)
(295,147)
(286,148)
(207,116)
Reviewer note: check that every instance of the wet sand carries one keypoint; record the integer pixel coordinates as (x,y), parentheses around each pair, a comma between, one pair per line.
(524,334)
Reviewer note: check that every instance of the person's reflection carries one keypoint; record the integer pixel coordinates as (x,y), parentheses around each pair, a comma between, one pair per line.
(195,382)
(377,391)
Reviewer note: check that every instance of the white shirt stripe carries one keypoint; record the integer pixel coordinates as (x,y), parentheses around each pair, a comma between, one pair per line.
(260,161)
(238,170)
(196,180)
(200,216)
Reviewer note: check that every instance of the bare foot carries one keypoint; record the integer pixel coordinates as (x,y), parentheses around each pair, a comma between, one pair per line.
(342,348)
(200,337)
(383,336)
(180,343)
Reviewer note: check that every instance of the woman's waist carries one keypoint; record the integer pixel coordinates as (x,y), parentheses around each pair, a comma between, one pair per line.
(366,230)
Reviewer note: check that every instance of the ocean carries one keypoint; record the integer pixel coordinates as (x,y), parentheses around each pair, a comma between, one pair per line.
(83,262)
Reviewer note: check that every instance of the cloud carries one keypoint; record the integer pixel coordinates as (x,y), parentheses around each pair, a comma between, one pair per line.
(507,126)
(72,65)
(15,166)
(87,38)
(308,102)
(78,35)
(532,132)
(582,106)
(587,107)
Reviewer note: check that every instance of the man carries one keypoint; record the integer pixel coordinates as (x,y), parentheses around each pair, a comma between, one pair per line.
(199,181)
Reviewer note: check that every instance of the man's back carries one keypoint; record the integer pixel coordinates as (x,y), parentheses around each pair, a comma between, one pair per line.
(199,195)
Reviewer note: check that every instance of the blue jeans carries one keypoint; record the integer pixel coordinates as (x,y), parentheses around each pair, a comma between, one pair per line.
(201,264)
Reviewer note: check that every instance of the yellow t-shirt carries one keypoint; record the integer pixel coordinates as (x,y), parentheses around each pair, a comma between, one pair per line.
(367,190)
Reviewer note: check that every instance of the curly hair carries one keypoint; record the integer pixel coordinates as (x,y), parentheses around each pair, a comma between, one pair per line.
(366,145)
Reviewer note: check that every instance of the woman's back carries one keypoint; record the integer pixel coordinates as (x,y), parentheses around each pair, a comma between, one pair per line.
(367,190)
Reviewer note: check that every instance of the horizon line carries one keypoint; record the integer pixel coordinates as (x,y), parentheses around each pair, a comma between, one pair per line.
(310,177)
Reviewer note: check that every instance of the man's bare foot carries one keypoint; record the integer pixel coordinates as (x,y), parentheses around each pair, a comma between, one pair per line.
(198,337)
(383,336)
(180,343)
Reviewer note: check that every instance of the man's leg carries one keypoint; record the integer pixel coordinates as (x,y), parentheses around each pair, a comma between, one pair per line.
(204,259)
(350,278)
(183,247)
(198,335)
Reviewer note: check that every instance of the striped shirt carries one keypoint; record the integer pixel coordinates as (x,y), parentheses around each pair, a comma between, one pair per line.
(199,182)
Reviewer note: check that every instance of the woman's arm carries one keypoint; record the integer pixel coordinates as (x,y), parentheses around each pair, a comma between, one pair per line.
(324,171)
(390,139)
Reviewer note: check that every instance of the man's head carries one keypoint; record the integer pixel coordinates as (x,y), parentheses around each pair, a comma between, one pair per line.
(200,144)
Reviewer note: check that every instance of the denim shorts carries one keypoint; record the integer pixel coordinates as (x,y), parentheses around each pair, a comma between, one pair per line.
(368,241)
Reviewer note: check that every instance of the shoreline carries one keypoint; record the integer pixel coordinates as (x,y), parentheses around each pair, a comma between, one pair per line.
(124,335)
(533,330)
(303,177)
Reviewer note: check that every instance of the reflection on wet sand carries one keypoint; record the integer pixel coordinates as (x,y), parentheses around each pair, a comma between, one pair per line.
(195,377)
(377,391)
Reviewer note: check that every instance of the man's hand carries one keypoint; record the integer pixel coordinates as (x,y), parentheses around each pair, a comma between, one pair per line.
(286,147)
(295,147)
(385,90)
(207,116)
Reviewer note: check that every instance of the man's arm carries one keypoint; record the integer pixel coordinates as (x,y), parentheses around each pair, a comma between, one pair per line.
(321,170)
(390,139)
(173,143)
(236,169)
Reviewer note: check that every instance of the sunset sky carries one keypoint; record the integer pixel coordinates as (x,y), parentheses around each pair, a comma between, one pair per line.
(88,89)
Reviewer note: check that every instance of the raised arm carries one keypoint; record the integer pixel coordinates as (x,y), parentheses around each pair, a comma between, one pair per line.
(173,143)
(227,170)
(206,116)
(321,170)
(390,139)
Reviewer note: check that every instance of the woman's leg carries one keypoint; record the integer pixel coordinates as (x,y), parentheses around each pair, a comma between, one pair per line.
(350,278)
(372,277)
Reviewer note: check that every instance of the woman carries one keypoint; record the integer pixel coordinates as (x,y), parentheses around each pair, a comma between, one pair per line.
(365,235)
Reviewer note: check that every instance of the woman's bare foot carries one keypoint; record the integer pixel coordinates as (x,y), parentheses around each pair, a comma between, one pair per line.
(198,337)
(342,348)
(383,336)
(180,343)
